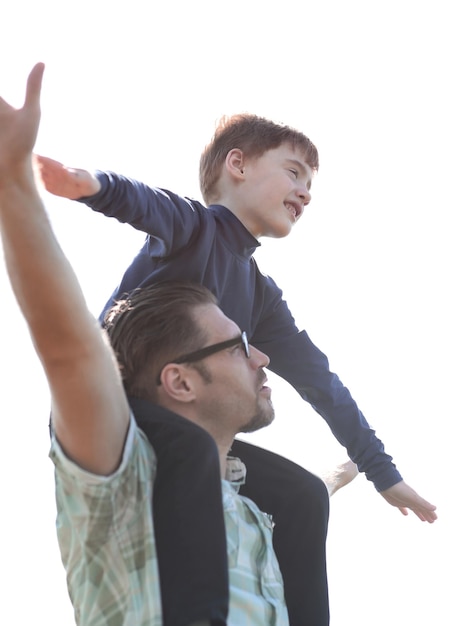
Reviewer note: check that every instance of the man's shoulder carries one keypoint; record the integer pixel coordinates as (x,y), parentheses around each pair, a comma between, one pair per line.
(137,457)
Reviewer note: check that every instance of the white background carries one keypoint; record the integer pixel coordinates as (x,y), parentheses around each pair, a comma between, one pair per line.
(374,270)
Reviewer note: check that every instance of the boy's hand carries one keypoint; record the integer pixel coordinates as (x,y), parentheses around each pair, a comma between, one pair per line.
(404,497)
(63,181)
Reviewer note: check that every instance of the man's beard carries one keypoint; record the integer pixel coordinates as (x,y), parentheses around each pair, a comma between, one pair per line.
(262,418)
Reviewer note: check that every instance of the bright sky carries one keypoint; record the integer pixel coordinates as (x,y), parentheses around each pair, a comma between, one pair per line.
(374,271)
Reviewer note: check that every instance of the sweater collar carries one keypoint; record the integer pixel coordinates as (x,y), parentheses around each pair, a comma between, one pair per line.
(237,238)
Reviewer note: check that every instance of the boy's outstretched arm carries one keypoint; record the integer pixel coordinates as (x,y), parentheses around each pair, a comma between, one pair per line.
(63,181)
(89,409)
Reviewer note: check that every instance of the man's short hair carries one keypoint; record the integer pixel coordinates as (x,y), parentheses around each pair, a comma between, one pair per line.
(152,326)
(254,136)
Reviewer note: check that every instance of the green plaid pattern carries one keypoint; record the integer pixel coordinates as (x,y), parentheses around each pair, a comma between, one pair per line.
(106,538)
(105,534)
(256,586)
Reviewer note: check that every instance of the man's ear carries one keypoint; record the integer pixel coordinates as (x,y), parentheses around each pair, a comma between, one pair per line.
(235,162)
(178,382)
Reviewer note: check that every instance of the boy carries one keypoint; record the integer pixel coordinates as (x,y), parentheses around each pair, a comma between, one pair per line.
(255,177)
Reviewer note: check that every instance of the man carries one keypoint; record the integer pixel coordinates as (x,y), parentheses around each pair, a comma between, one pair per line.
(199,369)
(256,178)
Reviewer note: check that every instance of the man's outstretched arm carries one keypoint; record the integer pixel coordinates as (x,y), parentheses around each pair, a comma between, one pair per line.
(89,408)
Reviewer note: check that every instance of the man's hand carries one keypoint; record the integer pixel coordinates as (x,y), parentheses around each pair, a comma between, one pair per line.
(18,127)
(404,497)
(63,181)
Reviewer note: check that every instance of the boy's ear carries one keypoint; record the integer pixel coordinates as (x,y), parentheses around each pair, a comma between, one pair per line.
(235,162)
(177,381)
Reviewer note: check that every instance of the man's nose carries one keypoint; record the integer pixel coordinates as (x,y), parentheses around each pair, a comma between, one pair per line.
(258,358)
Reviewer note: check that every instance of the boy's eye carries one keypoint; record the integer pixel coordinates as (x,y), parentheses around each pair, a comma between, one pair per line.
(294,172)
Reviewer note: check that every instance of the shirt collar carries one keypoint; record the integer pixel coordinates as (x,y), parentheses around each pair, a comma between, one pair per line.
(235,472)
(236,236)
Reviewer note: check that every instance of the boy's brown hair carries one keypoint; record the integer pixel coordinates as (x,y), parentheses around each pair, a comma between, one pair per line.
(253,135)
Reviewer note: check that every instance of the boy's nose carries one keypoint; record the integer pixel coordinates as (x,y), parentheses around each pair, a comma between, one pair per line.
(304,194)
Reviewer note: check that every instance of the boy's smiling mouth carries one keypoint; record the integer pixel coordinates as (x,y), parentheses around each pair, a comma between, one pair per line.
(295,209)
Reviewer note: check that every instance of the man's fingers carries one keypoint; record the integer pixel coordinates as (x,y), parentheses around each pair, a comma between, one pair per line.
(33,87)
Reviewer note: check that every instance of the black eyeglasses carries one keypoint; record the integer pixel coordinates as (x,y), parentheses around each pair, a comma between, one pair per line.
(202,353)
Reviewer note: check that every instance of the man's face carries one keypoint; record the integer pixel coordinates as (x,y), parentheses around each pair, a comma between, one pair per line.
(275,192)
(235,399)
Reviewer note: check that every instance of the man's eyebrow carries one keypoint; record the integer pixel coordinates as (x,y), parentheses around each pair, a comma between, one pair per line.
(302,169)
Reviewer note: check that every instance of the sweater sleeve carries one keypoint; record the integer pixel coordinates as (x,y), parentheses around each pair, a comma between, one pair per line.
(167,218)
(297,360)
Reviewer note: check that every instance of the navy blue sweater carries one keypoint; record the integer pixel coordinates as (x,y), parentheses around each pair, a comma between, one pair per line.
(187,241)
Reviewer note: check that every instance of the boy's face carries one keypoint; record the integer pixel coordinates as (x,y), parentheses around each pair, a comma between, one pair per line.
(275,192)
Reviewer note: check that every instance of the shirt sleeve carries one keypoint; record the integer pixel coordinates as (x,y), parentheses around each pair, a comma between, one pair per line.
(168,219)
(295,358)
(136,445)
(106,536)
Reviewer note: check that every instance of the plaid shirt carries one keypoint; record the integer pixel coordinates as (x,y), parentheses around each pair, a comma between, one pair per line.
(255,580)
(105,534)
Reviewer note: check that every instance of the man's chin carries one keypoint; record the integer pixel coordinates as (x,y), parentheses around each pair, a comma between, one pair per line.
(259,421)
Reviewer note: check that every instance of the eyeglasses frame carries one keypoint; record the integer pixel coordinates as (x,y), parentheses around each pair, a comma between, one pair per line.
(202,353)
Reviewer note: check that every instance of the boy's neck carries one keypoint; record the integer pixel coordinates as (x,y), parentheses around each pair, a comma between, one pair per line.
(241,214)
